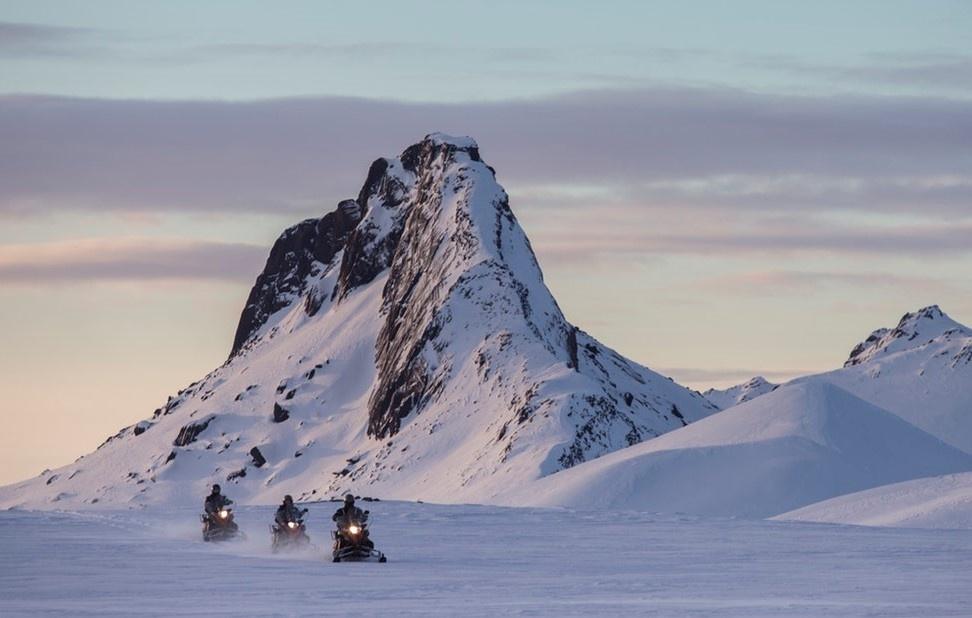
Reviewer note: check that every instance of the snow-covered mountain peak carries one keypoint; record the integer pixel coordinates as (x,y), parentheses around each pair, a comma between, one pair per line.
(913,330)
(404,344)
(461,142)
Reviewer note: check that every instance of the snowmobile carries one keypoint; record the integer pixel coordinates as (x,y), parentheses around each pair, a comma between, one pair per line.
(351,543)
(219,526)
(291,535)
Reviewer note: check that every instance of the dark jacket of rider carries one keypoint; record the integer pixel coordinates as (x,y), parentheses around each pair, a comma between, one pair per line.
(347,514)
(215,502)
(288,512)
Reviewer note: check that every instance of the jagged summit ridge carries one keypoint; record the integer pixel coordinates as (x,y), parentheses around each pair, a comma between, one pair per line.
(404,344)
(913,330)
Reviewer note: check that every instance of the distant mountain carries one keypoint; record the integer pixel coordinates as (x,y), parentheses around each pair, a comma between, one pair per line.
(920,370)
(800,444)
(914,331)
(726,398)
(932,502)
(403,345)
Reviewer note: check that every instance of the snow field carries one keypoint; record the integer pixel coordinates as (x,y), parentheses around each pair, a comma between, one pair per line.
(480,561)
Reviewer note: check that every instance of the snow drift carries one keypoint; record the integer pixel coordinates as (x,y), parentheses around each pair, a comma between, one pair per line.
(403,345)
(797,445)
(935,502)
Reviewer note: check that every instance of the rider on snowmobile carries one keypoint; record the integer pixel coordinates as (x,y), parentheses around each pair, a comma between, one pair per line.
(216,501)
(349,514)
(287,512)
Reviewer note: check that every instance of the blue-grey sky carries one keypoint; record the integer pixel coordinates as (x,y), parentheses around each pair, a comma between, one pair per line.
(716,189)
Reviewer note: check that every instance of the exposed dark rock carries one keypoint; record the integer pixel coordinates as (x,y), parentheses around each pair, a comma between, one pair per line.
(172,455)
(372,183)
(629,398)
(678,414)
(412,320)
(602,415)
(232,476)
(52,478)
(572,348)
(300,249)
(368,252)
(290,394)
(258,459)
(141,428)
(280,414)
(907,329)
(190,432)
(857,353)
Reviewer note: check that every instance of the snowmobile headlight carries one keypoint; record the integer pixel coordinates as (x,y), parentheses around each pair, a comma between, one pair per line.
(291,524)
(224,514)
(354,529)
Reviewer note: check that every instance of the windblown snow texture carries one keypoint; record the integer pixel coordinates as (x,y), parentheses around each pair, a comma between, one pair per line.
(404,344)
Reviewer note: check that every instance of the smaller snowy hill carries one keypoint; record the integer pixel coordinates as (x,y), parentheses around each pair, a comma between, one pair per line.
(920,370)
(728,397)
(800,444)
(934,502)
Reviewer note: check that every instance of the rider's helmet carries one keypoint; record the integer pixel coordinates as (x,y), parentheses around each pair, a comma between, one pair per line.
(216,489)
(288,499)
(349,500)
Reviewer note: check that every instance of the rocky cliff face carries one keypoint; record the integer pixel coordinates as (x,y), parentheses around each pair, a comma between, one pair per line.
(300,253)
(405,345)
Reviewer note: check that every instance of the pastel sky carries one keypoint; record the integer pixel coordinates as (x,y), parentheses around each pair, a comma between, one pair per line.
(716,189)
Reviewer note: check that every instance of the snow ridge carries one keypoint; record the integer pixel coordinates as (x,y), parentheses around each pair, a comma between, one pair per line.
(913,330)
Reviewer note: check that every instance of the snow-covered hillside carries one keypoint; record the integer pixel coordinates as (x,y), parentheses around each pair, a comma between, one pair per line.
(798,445)
(740,393)
(920,370)
(404,345)
(934,502)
